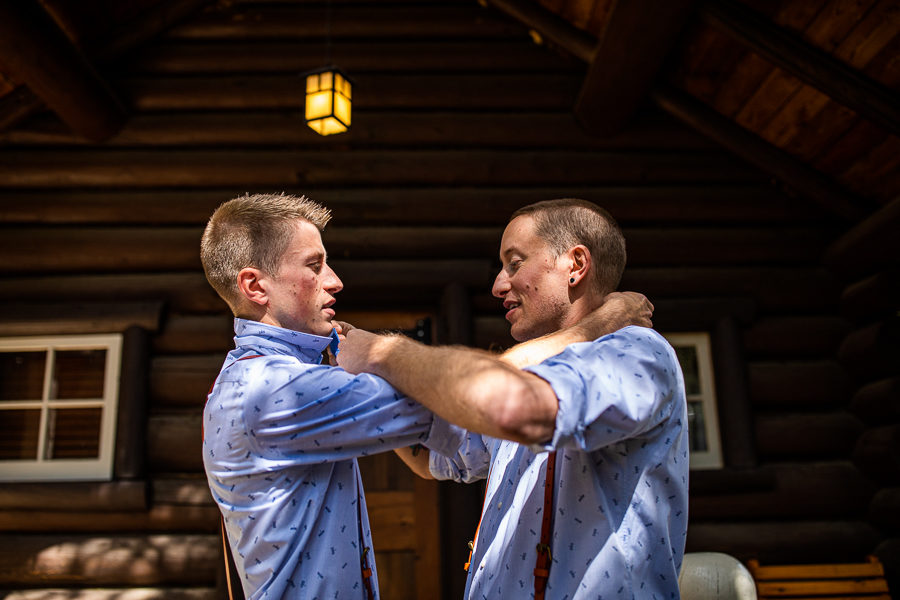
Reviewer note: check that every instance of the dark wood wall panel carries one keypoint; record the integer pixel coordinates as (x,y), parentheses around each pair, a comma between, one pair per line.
(179,168)
(375,128)
(720,204)
(35,250)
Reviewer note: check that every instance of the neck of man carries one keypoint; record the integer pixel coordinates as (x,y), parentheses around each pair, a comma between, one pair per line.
(581,305)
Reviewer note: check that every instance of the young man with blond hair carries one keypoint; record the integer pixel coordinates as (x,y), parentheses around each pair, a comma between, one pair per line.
(586,454)
(282,431)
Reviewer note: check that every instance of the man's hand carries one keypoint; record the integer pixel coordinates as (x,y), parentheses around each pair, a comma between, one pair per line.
(342,327)
(619,309)
(359,349)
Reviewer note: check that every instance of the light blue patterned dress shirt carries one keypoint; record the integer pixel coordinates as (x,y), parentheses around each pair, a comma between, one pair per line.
(281,437)
(621,489)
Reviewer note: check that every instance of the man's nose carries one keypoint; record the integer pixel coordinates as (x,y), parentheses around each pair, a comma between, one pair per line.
(333,283)
(501,285)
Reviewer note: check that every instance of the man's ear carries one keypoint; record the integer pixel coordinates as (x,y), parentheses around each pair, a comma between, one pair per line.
(580,263)
(250,284)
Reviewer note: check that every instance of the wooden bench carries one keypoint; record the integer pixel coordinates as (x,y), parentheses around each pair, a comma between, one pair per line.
(821,581)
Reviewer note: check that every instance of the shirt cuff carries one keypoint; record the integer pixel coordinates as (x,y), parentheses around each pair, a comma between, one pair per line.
(444,437)
(567,417)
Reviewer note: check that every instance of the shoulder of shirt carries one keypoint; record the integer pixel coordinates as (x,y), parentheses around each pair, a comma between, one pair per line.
(629,337)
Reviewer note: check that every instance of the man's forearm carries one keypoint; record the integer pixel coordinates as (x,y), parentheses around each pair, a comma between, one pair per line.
(418,462)
(618,310)
(470,388)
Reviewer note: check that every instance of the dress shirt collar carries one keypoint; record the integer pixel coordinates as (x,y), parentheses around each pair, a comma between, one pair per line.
(256,335)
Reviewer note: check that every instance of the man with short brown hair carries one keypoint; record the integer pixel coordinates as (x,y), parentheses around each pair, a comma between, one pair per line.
(586,454)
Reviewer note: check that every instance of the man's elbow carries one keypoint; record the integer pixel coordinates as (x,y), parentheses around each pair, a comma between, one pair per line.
(526,414)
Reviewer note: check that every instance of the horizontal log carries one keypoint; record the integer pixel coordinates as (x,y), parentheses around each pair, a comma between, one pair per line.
(773,288)
(551,91)
(381,129)
(174,441)
(185,292)
(183,380)
(115,560)
(872,352)
(878,403)
(795,337)
(298,22)
(278,56)
(695,246)
(794,384)
(182,491)
(76,496)
(106,249)
(49,318)
(167,593)
(798,490)
(871,246)
(418,206)
(877,454)
(884,510)
(158,519)
(101,168)
(783,542)
(189,334)
(816,436)
(873,298)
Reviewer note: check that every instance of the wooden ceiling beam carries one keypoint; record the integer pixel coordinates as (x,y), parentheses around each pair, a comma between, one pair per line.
(37,52)
(755,150)
(550,26)
(867,97)
(635,41)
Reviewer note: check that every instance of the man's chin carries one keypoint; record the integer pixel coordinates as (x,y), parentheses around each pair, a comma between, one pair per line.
(519,334)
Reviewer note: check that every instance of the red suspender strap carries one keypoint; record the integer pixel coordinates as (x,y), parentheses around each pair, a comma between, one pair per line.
(364,554)
(472,543)
(225,553)
(544,557)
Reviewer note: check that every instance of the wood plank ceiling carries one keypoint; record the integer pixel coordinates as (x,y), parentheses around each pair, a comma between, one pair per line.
(722,60)
(816,80)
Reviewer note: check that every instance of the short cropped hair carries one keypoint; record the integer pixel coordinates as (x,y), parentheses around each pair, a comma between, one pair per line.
(567,222)
(252,231)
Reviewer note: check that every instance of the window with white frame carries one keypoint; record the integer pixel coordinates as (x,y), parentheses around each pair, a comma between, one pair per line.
(58,405)
(693,351)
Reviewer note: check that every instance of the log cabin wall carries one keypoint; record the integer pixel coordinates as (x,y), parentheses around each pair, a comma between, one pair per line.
(459,118)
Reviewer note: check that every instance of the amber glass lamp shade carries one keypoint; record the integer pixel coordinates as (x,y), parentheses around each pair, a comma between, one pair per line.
(328,99)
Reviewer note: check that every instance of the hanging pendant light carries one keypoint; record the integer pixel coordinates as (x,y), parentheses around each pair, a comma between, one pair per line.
(328,92)
(328,100)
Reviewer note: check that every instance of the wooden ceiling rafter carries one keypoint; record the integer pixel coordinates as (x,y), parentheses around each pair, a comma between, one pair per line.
(551,27)
(36,51)
(865,96)
(761,153)
(806,180)
(23,102)
(628,55)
